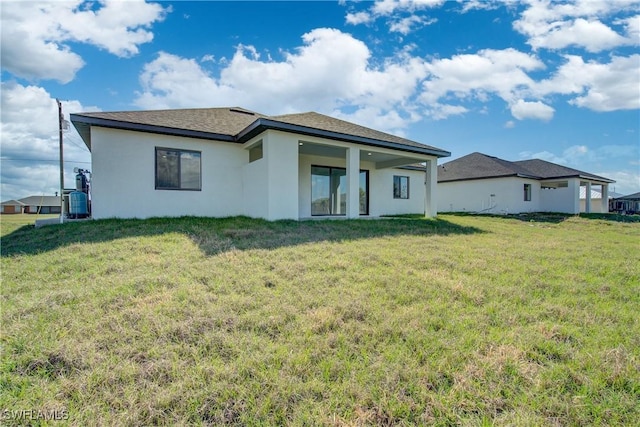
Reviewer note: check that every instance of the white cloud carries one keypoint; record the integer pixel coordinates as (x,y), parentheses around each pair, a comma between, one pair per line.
(443,111)
(359,18)
(510,124)
(406,25)
(36,35)
(593,35)
(306,79)
(500,72)
(402,15)
(30,144)
(522,109)
(556,25)
(600,86)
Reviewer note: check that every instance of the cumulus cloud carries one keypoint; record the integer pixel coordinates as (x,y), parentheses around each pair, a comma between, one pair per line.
(488,72)
(522,109)
(599,86)
(36,35)
(30,144)
(306,79)
(578,23)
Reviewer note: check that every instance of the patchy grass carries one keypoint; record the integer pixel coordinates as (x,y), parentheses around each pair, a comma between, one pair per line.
(461,320)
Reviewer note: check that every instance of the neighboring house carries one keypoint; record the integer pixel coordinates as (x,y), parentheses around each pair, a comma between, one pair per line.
(629,204)
(481,183)
(12,207)
(230,161)
(41,204)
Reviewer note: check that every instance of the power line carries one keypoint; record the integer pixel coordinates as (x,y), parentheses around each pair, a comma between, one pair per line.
(41,160)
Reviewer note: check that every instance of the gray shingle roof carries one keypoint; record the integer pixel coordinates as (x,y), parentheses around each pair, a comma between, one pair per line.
(327,123)
(41,201)
(238,125)
(548,170)
(221,121)
(12,202)
(634,196)
(482,166)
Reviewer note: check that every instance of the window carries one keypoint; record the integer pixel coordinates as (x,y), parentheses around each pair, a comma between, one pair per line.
(400,187)
(527,192)
(255,153)
(178,169)
(329,191)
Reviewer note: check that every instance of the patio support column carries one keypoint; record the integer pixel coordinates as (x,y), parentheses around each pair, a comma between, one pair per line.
(430,185)
(605,198)
(353,182)
(587,198)
(573,185)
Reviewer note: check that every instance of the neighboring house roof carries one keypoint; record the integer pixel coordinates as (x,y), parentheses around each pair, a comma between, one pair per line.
(634,196)
(41,201)
(481,166)
(548,170)
(12,203)
(240,125)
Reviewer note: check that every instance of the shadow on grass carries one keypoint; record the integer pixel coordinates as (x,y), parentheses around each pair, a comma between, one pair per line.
(552,217)
(216,235)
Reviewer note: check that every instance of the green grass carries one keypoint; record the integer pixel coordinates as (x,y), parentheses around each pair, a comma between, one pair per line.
(461,320)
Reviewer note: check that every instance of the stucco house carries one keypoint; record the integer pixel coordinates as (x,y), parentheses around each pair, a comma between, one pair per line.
(481,183)
(12,207)
(41,204)
(220,162)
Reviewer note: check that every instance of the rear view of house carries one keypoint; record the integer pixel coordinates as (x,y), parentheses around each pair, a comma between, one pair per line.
(481,183)
(230,161)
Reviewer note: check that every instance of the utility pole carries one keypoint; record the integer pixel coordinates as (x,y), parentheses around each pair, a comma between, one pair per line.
(60,120)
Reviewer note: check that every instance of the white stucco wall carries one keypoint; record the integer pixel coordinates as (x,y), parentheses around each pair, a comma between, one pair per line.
(563,199)
(558,199)
(381,201)
(123,176)
(281,155)
(476,196)
(255,189)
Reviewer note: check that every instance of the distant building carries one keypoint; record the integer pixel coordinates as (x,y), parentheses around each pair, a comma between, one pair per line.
(629,204)
(481,183)
(12,207)
(41,204)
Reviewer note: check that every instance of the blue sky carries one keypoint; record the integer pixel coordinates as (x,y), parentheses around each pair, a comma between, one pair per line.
(529,79)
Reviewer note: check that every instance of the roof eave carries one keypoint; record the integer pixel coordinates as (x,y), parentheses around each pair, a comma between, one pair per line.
(580,176)
(263,124)
(78,119)
(478,178)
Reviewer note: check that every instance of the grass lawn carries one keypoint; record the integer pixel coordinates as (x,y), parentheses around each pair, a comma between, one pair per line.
(460,320)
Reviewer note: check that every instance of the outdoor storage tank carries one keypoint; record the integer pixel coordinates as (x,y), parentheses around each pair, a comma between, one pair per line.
(77,204)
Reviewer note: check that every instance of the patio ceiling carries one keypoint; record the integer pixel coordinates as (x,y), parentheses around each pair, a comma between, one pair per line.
(382,160)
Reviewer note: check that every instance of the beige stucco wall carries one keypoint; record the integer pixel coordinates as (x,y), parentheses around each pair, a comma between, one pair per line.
(497,195)
(123,176)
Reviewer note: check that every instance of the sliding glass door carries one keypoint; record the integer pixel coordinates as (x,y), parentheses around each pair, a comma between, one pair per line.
(329,191)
